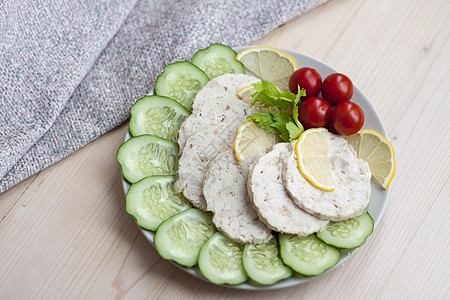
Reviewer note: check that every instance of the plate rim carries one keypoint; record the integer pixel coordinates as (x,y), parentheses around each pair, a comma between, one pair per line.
(296,280)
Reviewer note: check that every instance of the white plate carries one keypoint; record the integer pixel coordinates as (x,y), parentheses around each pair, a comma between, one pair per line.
(378,198)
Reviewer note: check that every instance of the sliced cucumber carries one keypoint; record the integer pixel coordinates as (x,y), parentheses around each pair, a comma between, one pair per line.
(180,237)
(262,263)
(217,60)
(181,81)
(151,201)
(147,155)
(220,260)
(157,115)
(347,234)
(307,255)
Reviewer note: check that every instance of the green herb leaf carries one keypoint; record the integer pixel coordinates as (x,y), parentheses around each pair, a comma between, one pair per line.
(280,122)
(263,120)
(268,95)
(294,131)
(301,93)
(280,119)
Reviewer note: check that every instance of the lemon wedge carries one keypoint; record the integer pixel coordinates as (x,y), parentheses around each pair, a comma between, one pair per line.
(251,139)
(313,161)
(378,152)
(269,64)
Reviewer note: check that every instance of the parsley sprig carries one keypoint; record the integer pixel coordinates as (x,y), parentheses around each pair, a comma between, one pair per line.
(287,125)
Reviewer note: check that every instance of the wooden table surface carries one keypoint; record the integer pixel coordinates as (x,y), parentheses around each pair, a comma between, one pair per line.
(64,232)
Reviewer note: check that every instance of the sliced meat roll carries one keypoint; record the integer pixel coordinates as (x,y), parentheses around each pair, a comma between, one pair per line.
(217,102)
(271,200)
(201,148)
(225,190)
(351,176)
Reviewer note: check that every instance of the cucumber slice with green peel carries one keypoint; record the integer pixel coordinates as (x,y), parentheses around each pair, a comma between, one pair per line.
(217,60)
(347,234)
(157,115)
(151,201)
(181,81)
(220,260)
(262,263)
(307,255)
(147,155)
(180,237)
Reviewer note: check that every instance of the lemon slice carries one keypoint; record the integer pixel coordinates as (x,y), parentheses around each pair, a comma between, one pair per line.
(251,139)
(373,148)
(269,64)
(313,161)
(245,94)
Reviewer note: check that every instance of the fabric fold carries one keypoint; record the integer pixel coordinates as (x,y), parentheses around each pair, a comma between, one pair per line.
(47,48)
(154,34)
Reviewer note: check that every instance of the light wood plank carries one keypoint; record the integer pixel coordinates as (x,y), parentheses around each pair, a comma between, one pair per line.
(65,234)
(9,198)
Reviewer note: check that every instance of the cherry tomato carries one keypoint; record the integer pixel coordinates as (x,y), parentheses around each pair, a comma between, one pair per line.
(308,79)
(337,88)
(347,118)
(314,112)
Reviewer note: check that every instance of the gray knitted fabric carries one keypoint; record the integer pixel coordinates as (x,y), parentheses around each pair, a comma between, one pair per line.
(70,70)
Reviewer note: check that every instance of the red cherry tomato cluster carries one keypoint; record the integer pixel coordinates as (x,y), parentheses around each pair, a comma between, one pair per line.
(346,118)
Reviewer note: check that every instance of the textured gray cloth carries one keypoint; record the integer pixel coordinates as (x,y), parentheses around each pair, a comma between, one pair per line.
(70,70)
